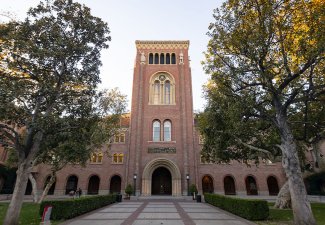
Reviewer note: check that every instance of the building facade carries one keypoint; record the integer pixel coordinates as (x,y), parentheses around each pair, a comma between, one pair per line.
(158,147)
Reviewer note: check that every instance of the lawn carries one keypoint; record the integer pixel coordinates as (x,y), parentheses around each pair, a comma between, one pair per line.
(285,217)
(29,214)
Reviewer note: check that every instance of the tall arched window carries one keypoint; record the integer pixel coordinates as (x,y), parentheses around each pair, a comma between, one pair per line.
(162,89)
(150,58)
(167,92)
(156,58)
(162,58)
(173,58)
(156,130)
(167,130)
(167,58)
(156,97)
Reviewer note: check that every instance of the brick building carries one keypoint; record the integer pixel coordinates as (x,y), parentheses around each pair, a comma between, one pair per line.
(158,148)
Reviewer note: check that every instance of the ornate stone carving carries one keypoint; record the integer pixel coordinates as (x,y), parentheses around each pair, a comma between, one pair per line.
(162,150)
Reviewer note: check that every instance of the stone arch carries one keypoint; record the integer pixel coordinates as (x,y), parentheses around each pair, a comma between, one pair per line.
(229,185)
(152,166)
(93,185)
(71,183)
(251,185)
(115,184)
(272,184)
(162,88)
(207,184)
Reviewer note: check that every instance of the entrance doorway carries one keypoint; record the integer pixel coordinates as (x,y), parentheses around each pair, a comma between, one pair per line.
(161,182)
(115,185)
(207,184)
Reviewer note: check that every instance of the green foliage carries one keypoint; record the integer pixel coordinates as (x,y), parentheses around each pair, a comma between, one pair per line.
(266,65)
(66,209)
(246,208)
(193,189)
(129,189)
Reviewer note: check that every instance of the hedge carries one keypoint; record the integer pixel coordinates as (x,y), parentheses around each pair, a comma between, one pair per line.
(66,209)
(250,209)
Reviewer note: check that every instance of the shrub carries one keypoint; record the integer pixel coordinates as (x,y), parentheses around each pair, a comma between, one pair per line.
(193,189)
(129,190)
(250,209)
(66,209)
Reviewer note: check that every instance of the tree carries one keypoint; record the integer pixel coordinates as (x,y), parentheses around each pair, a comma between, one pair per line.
(84,137)
(51,72)
(265,60)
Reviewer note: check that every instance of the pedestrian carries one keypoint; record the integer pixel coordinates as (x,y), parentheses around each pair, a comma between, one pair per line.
(80,192)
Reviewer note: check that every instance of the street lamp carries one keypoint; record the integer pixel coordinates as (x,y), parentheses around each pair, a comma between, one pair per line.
(188,184)
(134,183)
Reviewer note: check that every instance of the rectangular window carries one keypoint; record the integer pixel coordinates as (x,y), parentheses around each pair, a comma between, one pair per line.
(156,134)
(118,158)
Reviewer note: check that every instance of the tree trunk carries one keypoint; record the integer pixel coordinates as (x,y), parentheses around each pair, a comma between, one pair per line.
(47,188)
(12,216)
(34,186)
(283,201)
(300,205)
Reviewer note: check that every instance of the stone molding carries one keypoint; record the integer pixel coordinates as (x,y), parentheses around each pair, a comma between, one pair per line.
(162,44)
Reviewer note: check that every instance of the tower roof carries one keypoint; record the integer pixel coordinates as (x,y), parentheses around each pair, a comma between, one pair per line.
(150,44)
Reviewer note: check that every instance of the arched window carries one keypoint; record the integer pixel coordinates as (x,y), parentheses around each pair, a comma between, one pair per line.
(162,58)
(167,92)
(156,130)
(251,186)
(272,185)
(156,58)
(167,58)
(156,94)
(150,58)
(173,58)
(162,89)
(167,130)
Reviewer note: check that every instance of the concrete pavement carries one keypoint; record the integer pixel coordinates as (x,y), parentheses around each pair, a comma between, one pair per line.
(161,212)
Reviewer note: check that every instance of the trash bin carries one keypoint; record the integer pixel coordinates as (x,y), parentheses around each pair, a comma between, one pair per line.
(198,198)
(119,198)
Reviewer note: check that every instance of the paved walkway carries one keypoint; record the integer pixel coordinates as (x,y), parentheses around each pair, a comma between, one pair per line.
(158,213)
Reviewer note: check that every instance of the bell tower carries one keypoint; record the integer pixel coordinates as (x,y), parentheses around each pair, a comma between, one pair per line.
(161,149)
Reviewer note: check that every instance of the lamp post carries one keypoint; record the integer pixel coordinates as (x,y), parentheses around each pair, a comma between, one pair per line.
(134,183)
(188,184)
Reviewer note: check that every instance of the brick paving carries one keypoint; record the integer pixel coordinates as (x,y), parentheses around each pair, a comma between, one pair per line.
(158,212)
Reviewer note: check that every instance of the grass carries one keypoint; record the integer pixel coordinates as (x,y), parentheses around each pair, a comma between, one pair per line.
(285,216)
(29,214)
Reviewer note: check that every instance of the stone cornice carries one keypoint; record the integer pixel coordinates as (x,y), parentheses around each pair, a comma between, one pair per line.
(162,44)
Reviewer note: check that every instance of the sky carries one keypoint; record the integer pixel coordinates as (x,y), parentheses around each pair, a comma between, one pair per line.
(131,20)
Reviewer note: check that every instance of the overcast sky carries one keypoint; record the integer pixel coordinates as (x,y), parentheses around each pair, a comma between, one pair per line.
(131,20)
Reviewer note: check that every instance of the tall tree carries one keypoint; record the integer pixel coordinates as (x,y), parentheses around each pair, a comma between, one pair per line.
(51,71)
(265,60)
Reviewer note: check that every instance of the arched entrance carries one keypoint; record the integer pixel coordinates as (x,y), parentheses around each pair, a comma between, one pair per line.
(161,182)
(272,185)
(29,188)
(115,184)
(52,188)
(71,184)
(229,185)
(166,164)
(207,184)
(251,186)
(93,185)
